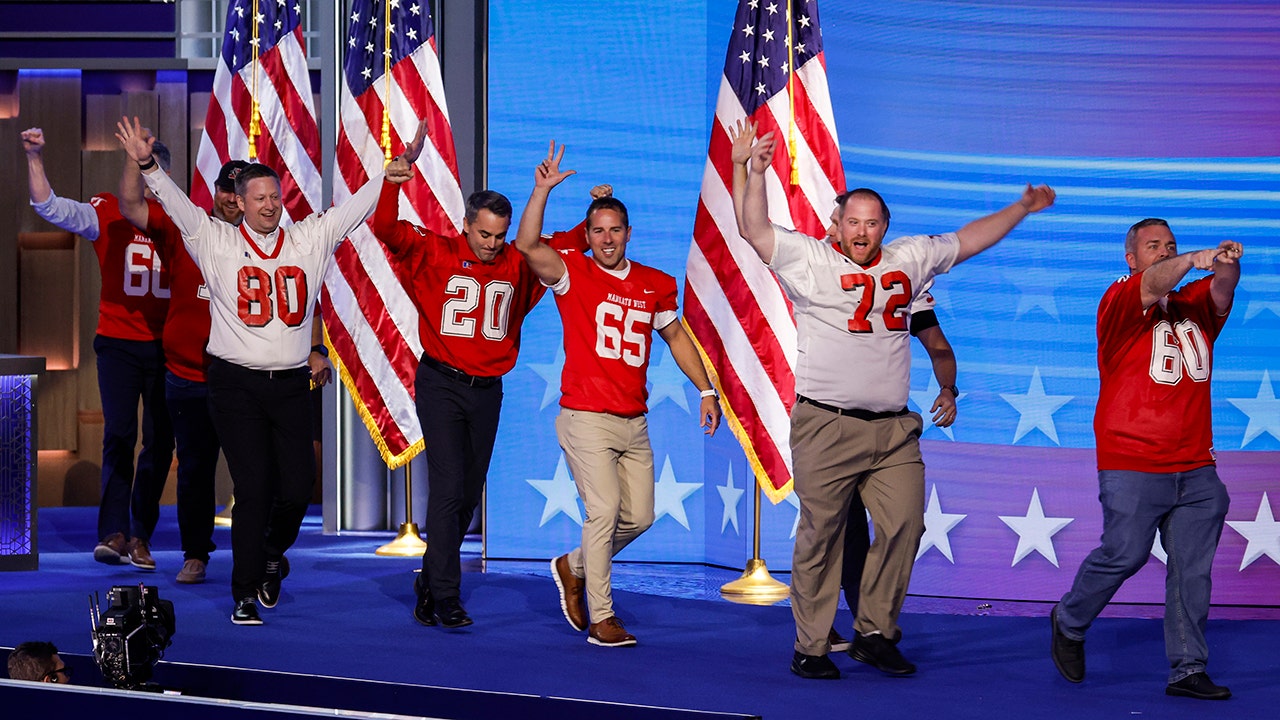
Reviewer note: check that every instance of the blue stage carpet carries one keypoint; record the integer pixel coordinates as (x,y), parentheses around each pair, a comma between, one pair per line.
(346,613)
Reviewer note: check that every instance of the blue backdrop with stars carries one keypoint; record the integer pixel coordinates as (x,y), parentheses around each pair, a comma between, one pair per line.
(947,114)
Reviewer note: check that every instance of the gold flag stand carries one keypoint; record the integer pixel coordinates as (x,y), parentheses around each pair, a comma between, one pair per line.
(408,542)
(223,519)
(756,586)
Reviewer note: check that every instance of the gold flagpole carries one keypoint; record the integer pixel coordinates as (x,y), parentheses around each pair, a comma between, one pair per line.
(408,542)
(756,586)
(256,114)
(223,519)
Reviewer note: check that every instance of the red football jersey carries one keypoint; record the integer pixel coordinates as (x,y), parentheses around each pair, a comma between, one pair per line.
(608,332)
(1153,411)
(186,327)
(135,283)
(470,312)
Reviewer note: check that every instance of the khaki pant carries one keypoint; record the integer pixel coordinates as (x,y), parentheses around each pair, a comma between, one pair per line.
(612,465)
(834,456)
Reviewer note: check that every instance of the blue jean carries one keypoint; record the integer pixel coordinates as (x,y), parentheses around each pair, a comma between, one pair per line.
(198,446)
(1189,509)
(129,370)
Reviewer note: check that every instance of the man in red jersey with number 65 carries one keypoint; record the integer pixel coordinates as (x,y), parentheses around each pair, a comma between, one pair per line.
(610,307)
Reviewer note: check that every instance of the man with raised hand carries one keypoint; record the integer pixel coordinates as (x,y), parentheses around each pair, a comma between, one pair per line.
(130,359)
(1154,432)
(472,292)
(850,427)
(610,306)
(263,282)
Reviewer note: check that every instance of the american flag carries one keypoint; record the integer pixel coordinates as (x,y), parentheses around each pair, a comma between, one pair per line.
(734,307)
(371,323)
(289,140)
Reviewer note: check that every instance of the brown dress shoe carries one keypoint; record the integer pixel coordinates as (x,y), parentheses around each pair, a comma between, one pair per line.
(610,633)
(572,589)
(112,550)
(140,555)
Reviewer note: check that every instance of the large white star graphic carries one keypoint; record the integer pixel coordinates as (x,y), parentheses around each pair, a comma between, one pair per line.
(936,526)
(669,495)
(550,374)
(1036,288)
(668,382)
(924,400)
(1036,409)
(1262,532)
(561,494)
(1263,411)
(730,496)
(1157,548)
(1035,531)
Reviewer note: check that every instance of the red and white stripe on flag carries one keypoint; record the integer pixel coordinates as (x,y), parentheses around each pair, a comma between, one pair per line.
(289,142)
(370,321)
(734,307)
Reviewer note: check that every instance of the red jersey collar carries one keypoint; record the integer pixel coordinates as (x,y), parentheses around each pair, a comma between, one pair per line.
(248,239)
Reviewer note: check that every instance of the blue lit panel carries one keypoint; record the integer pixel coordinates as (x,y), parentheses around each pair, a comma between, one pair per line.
(17,472)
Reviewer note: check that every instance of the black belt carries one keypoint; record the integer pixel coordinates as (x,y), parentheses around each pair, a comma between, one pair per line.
(854,412)
(303,371)
(458,375)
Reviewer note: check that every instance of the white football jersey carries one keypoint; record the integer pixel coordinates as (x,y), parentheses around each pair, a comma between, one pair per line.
(262,288)
(853,323)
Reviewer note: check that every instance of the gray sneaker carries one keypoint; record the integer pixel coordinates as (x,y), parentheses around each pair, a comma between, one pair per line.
(192,572)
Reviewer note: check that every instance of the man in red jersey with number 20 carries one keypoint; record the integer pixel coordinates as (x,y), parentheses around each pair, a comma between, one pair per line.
(610,307)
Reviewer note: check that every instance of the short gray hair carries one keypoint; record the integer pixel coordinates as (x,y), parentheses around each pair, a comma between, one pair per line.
(1131,239)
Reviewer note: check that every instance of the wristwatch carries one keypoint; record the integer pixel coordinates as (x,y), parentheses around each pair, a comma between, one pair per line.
(954,390)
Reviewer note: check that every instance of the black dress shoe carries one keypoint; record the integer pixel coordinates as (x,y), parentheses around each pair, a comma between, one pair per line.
(269,591)
(814,667)
(451,614)
(880,653)
(1068,654)
(424,610)
(1198,685)
(246,613)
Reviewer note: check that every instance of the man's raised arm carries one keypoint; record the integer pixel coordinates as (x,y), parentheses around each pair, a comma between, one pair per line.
(545,262)
(70,215)
(346,216)
(987,231)
(137,144)
(1161,278)
(751,208)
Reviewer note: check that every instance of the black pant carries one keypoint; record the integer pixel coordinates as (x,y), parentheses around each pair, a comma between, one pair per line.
(197,441)
(459,424)
(264,424)
(129,370)
(857,541)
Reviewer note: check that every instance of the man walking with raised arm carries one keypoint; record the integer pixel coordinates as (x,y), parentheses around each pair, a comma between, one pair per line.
(850,428)
(610,307)
(130,359)
(1154,432)
(263,282)
(472,293)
